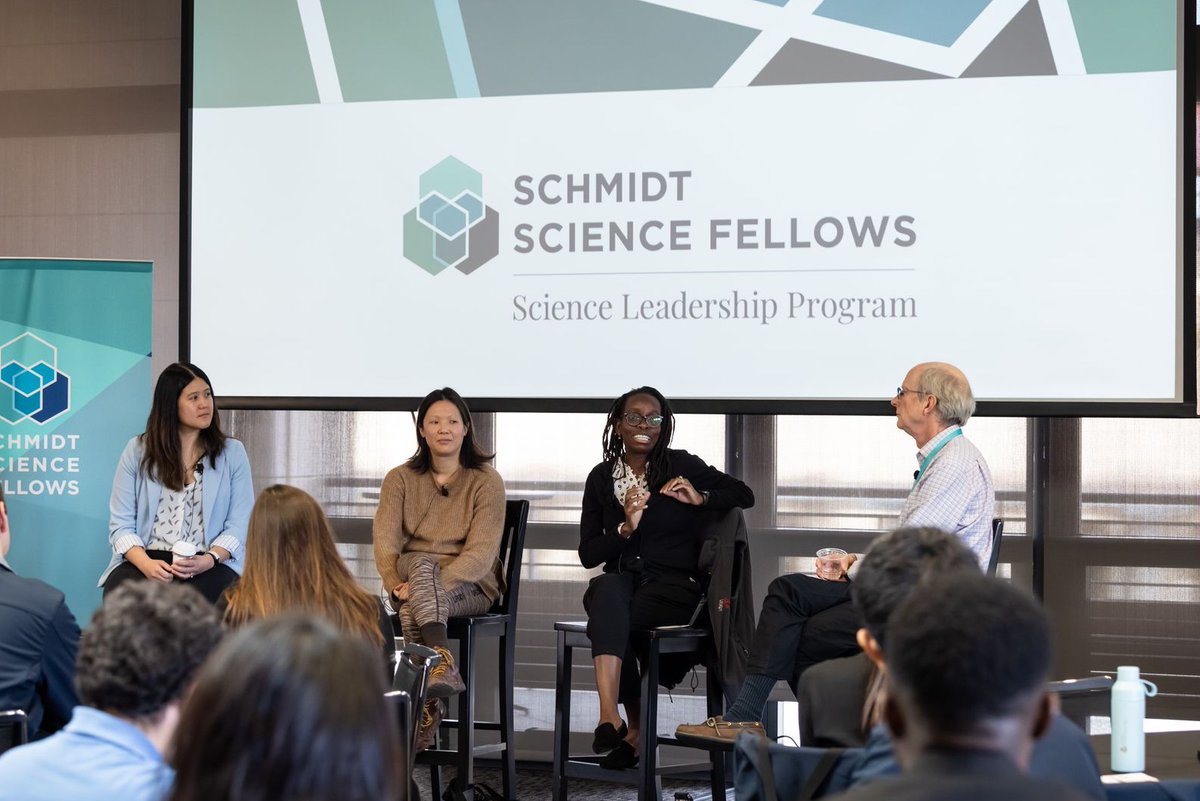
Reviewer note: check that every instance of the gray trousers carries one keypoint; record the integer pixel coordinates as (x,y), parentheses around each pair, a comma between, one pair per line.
(429,602)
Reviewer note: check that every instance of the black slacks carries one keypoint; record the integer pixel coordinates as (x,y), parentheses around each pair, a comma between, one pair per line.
(211,583)
(619,603)
(804,620)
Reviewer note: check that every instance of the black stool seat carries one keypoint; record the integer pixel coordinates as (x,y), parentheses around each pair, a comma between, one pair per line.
(648,774)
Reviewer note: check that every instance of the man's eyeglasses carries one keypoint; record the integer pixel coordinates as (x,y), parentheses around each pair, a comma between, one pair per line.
(635,419)
(901,390)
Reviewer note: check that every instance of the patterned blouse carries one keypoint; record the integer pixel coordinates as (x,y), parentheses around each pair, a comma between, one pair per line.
(180,516)
(624,479)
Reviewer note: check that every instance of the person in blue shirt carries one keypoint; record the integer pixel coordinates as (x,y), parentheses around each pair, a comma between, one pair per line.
(182,493)
(136,663)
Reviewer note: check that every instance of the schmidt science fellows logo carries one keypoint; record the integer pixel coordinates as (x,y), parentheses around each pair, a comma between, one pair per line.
(31,386)
(451,226)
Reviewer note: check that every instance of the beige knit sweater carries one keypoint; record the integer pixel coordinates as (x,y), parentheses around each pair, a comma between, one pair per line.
(462,529)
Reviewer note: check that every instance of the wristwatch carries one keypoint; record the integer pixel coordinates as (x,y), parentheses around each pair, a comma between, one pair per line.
(704,494)
(216,559)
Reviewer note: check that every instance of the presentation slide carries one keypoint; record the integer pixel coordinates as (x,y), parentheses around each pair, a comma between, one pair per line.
(730,200)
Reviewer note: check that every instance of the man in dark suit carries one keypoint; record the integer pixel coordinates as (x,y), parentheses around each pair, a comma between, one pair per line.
(968,659)
(38,639)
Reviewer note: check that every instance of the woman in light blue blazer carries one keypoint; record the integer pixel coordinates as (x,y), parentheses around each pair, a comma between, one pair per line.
(182,495)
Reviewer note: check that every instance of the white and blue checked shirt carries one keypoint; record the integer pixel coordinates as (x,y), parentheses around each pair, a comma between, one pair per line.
(955,494)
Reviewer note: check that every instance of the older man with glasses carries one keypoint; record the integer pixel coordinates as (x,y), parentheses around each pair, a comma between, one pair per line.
(806,620)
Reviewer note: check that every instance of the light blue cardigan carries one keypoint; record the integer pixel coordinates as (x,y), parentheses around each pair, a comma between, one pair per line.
(228,499)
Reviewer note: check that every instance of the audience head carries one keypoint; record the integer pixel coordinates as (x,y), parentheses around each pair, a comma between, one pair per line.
(649,441)
(183,399)
(292,564)
(449,407)
(143,648)
(895,564)
(288,707)
(968,658)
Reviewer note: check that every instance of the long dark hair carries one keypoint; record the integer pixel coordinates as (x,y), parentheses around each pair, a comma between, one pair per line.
(161,459)
(470,455)
(288,707)
(657,467)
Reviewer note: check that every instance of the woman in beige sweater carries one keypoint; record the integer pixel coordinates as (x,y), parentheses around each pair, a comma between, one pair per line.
(437,534)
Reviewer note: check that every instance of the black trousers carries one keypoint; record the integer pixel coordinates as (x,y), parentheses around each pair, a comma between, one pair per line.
(620,603)
(804,620)
(211,583)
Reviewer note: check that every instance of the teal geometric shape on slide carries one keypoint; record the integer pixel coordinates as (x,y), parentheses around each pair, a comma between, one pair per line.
(571,46)
(419,244)
(105,302)
(775,2)
(450,251)
(472,204)
(387,49)
(250,53)
(450,177)
(1123,36)
(938,22)
(451,220)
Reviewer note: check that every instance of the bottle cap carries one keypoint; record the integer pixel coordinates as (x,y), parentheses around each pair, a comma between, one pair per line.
(1128,672)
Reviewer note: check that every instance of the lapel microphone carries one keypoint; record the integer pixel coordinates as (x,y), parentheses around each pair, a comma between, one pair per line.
(445,491)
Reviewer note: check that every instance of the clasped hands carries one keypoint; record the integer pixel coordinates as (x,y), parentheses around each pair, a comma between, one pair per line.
(636,501)
(182,567)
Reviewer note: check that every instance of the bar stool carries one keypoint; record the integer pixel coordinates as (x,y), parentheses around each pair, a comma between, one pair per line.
(654,642)
(501,623)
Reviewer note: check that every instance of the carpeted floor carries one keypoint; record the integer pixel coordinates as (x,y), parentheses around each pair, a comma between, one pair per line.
(534,785)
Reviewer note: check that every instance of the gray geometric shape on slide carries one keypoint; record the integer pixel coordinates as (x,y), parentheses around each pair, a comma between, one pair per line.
(805,62)
(1022,48)
(485,240)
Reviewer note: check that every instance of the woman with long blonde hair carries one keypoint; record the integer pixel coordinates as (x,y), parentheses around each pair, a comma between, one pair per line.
(292,565)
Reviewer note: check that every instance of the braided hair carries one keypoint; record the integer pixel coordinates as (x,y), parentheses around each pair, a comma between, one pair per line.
(657,467)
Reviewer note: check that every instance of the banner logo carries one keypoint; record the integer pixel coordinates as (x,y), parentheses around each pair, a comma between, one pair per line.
(31,386)
(451,226)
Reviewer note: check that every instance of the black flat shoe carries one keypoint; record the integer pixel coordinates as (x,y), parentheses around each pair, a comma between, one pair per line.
(623,757)
(607,737)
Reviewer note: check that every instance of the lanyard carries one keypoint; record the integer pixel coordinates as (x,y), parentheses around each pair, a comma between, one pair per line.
(928,459)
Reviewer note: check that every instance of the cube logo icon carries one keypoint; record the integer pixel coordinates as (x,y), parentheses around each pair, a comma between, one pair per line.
(450,225)
(31,385)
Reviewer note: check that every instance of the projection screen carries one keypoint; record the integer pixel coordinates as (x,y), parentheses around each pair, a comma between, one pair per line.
(743,202)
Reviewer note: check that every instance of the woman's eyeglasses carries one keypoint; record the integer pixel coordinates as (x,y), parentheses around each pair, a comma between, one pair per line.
(635,419)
